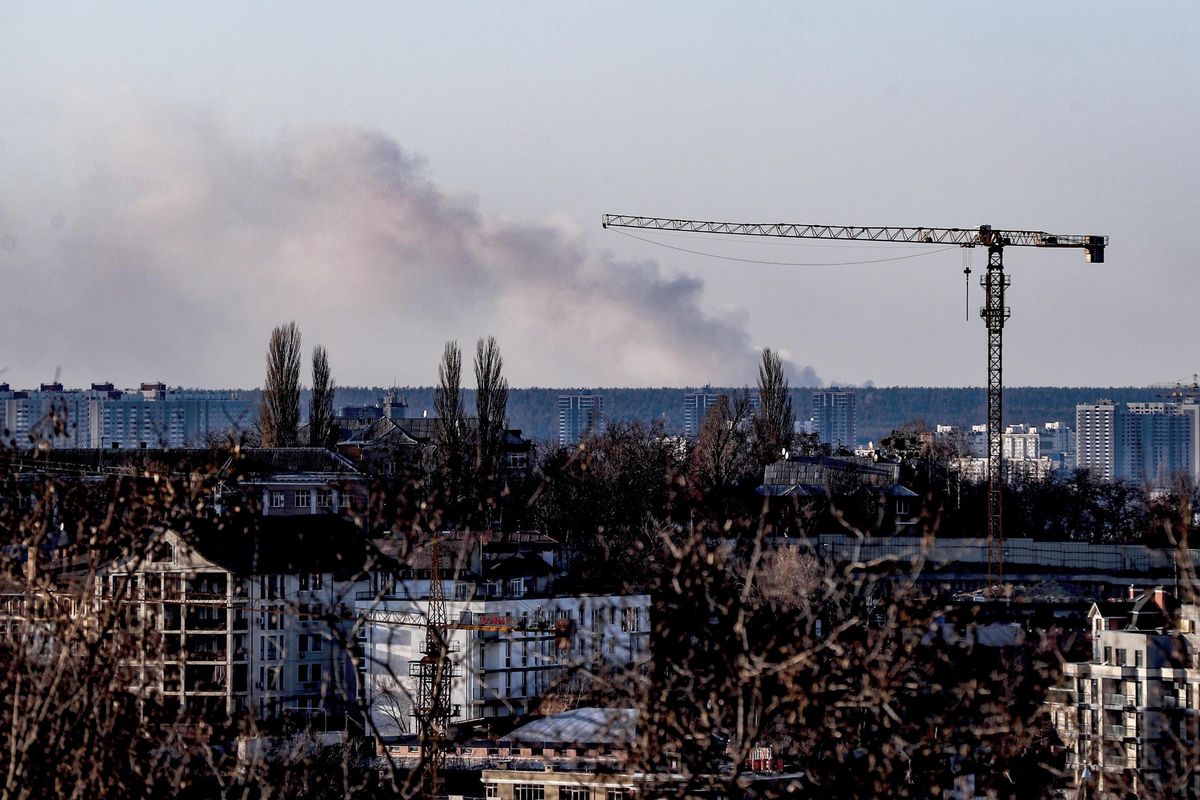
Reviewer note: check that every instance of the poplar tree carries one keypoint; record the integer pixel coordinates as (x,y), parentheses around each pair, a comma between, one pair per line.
(279,412)
(491,405)
(320,412)
(774,425)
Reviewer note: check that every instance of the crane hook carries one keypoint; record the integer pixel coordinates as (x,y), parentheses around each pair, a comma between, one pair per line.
(967,277)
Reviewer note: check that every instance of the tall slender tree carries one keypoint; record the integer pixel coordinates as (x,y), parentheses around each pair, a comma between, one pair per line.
(450,429)
(491,404)
(320,408)
(279,412)
(774,425)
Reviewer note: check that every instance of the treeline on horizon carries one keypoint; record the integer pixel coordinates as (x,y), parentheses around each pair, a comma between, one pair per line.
(534,410)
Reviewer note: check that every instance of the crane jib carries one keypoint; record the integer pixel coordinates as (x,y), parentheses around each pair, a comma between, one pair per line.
(983,236)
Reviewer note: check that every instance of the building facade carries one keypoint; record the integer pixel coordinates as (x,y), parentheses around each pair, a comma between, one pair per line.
(1151,443)
(511,639)
(836,417)
(102,416)
(1128,717)
(579,416)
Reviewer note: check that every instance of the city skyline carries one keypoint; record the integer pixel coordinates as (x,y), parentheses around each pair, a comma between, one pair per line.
(194,202)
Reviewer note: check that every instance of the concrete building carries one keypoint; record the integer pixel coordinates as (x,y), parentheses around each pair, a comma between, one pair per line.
(1128,717)
(836,416)
(1152,443)
(579,415)
(514,640)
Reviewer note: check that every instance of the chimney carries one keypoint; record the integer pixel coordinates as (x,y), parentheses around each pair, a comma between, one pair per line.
(1160,598)
(1132,593)
(31,565)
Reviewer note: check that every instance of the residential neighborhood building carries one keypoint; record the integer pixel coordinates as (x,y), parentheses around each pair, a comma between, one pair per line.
(513,637)
(836,416)
(579,416)
(696,406)
(1151,443)
(1128,716)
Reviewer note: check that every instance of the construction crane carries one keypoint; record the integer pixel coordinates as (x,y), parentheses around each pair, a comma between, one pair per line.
(994,312)
(435,670)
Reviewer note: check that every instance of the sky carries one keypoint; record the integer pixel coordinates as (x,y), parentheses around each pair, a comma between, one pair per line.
(176,179)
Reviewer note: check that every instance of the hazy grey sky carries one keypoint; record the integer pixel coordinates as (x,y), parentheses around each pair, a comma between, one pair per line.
(176,179)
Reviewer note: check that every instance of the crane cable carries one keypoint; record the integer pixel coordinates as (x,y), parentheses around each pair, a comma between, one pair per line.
(784,263)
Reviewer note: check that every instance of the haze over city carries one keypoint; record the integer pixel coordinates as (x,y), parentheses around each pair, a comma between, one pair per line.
(177,181)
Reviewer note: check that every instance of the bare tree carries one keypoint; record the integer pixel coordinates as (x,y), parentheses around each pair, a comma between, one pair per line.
(723,449)
(491,403)
(451,433)
(320,414)
(279,415)
(774,426)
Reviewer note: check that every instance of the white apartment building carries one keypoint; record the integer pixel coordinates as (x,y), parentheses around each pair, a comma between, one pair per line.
(1127,715)
(1020,442)
(510,640)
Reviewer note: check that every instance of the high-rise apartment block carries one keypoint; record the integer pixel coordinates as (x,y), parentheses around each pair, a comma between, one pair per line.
(578,416)
(835,414)
(696,406)
(1140,442)
(102,416)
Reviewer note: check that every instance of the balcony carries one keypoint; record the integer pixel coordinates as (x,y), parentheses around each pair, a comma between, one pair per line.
(1118,701)
(1120,732)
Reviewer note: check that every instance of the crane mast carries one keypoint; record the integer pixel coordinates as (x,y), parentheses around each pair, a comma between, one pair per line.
(994,311)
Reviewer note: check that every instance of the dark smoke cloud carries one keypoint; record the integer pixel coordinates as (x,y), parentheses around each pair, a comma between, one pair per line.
(170,247)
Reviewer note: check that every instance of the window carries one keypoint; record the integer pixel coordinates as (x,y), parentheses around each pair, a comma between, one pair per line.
(303,498)
(324,498)
(491,791)
(308,673)
(574,793)
(1138,658)
(629,619)
(270,587)
(276,499)
(1108,655)
(310,643)
(529,791)
(164,553)
(311,581)
(615,793)
(1120,656)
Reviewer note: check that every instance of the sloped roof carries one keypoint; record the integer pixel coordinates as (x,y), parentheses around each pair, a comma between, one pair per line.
(616,727)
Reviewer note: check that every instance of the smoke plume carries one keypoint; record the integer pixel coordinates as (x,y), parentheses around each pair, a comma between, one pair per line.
(147,243)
